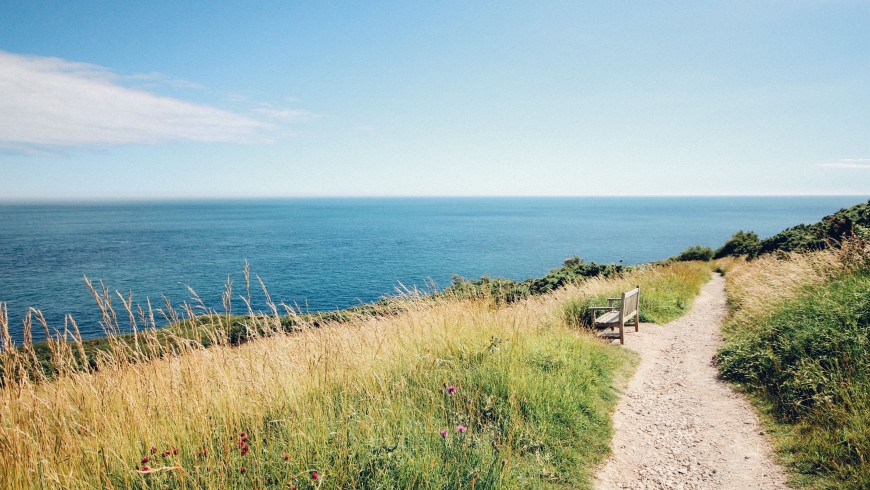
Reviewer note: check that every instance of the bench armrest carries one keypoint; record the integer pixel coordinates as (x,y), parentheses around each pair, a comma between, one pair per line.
(593,309)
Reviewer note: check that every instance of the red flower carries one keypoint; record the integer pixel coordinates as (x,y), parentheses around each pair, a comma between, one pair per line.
(153,450)
(166,453)
(315,476)
(145,459)
(145,468)
(245,450)
(286,457)
(243,470)
(175,451)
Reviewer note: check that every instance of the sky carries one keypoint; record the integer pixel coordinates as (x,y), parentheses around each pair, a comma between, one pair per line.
(179,99)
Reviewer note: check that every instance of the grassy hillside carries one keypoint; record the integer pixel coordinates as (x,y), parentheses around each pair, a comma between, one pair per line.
(799,341)
(449,392)
(195,322)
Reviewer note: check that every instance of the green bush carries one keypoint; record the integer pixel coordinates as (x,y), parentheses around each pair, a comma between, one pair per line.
(695,252)
(830,230)
(508,291)
(741,244)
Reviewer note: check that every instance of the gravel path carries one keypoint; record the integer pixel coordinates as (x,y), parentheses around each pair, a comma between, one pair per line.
(677,425)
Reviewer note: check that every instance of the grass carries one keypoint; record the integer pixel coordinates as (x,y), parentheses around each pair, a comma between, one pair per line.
(523,395)
(804,354)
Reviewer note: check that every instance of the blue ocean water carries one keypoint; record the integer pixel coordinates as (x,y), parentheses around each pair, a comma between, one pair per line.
(324,254)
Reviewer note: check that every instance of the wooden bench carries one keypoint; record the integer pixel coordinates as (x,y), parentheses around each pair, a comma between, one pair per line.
(618,312)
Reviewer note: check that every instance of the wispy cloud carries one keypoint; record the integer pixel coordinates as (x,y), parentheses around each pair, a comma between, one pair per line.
(849,163)
(53,105)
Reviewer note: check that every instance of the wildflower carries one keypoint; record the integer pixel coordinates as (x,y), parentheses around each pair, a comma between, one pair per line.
(243,436)
(245,450)
(145,459)
(175,451)
(166,453)
(146,468)
(315,476)
(443,433)
(461,429)
(286,457)
(451,389)
(243,470)
(153,450)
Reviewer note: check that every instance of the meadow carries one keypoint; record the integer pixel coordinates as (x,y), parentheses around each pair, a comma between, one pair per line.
(450,391)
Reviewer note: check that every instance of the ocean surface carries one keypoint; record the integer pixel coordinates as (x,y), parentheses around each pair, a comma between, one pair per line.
(324,254)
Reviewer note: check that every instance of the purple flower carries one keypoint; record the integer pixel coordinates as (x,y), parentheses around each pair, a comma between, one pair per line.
(461,429)
(451,389)
(443,433)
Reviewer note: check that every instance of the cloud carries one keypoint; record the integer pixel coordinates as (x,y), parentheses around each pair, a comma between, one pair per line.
(849,163)
(50,105)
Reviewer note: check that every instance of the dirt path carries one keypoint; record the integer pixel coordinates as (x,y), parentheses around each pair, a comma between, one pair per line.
(677,425)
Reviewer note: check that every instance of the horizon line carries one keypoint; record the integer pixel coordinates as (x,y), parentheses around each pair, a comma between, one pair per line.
(110,199)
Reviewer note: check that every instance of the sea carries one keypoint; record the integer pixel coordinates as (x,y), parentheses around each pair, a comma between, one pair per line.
(323,254)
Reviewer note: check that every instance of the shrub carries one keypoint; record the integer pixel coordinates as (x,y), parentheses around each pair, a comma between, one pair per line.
(745,243)
(830,230)
(695,252)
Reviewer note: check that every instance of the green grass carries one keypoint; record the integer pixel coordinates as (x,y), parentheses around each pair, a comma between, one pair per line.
(535,407)
(807,361)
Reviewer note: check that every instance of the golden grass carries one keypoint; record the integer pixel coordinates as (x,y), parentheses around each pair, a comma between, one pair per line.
(87,430)
(755,287)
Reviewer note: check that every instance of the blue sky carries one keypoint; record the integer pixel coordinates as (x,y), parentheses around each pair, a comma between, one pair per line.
(102,100)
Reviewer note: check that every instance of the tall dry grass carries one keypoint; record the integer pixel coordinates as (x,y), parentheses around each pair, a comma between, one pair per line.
(359,403)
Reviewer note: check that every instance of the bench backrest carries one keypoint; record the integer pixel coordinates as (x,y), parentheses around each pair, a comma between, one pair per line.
(629,303)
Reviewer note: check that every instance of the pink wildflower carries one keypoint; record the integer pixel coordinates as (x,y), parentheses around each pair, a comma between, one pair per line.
(443,433)
(451,389)
(461,429)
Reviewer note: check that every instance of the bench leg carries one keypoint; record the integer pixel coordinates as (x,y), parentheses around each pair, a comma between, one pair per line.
(637,322)
(621,333)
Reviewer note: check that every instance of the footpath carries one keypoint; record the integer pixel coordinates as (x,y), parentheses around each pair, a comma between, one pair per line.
(677,426)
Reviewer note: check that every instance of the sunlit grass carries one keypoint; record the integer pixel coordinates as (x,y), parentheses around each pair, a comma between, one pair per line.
(357,404)
(799,341)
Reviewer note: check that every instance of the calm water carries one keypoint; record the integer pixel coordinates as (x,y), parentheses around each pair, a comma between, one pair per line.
(332,253)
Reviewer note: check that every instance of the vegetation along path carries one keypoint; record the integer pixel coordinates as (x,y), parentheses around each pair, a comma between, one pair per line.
(677,425)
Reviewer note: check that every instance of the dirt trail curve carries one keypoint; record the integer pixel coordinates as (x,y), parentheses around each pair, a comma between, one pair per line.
(677,425)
